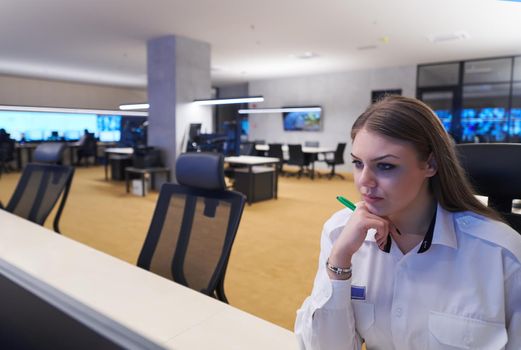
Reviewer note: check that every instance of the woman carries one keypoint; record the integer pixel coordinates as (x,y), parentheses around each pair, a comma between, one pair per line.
(420,263)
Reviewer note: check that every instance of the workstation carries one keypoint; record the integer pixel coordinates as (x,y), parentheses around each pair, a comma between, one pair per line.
(287,154)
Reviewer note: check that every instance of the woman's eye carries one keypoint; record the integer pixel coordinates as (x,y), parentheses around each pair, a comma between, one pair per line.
(386,166)
(357,163)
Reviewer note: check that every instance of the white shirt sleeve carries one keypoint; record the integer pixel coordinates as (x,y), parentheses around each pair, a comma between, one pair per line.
(326,319)
(513,307)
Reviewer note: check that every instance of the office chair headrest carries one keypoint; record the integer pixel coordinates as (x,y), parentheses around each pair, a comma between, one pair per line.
(49,152)
(493,168)
(201,170)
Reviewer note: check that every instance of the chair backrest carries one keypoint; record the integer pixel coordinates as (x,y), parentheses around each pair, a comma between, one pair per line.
(339,153)
(38,190)
(311,144)
(275,151)
(89,146)
(194,225)
(7,149)
(296,155)
(49,152)
(495,171)
(247,149)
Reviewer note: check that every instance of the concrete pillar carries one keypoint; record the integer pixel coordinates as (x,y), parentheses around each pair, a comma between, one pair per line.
(178,72)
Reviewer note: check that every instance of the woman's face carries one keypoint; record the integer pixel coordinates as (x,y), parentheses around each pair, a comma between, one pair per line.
(388,174)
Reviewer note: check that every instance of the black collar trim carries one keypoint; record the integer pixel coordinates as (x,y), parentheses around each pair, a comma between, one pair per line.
(427,239)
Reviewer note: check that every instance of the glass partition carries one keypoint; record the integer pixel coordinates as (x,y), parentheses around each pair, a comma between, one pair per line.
(438,75)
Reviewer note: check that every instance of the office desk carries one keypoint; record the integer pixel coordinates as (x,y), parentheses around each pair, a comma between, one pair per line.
(309,151)
(249,162)
(143,172)
(29,150)
(159,309)
(120,151)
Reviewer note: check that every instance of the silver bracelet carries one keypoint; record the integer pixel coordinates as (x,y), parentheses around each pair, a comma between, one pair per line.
(338,270)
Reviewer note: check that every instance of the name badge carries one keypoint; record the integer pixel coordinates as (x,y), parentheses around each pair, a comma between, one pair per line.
(357,292)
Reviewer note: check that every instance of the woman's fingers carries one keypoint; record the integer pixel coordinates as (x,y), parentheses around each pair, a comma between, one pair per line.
(382,227)
(354,233)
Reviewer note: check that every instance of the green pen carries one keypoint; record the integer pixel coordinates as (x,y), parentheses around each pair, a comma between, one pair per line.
(346,202)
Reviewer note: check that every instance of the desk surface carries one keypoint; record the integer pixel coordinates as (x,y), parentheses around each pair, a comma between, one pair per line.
(304,149)
(159,309)
(120,150)
(251,160)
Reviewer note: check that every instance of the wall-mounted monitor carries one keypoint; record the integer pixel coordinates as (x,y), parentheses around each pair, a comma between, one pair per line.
(55,126)
(485,124)
(303,120)
(515,124)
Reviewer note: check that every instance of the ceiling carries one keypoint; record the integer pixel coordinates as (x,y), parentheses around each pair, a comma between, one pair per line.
(104,41)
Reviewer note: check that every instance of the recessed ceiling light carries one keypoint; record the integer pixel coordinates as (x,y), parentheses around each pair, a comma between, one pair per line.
(306,55)
(445,37)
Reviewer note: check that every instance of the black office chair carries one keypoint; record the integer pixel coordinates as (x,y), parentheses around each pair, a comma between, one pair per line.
(275,151)
(38,190)
(7,150)
(315,144)
(88,149)
(298,158)
(49,153)
(247,149)
(194,225)
(495,171)
(337,159)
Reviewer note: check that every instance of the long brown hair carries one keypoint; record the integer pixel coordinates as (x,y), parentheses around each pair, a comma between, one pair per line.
(411,120)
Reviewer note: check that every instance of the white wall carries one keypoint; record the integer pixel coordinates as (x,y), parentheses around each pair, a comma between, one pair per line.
(20,91)
(343,97)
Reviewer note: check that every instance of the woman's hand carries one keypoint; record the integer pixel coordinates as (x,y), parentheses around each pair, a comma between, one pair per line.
(353,235)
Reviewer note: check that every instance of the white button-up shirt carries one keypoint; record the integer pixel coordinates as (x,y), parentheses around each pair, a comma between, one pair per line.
(464,292)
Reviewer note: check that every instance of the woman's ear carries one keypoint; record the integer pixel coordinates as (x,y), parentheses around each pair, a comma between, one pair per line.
(432,166)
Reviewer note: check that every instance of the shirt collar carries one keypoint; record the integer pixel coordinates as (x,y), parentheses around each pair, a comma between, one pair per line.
(444,230)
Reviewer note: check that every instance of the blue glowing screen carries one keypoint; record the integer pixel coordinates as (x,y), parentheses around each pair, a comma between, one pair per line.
(44,126)
(486,124)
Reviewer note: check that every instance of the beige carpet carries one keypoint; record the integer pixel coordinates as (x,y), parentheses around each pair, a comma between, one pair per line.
(274,257)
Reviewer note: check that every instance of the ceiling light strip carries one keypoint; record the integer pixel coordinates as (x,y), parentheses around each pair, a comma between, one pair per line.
(279,110)
(134,106)
(224,101)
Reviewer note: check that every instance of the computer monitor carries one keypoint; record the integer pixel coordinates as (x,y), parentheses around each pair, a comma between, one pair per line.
(38,316)
(34,135)
(72,135)
(109,136)
(484,124)
(194,131)
(515,124)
